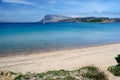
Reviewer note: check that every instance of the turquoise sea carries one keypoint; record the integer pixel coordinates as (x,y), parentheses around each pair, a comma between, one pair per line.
(30,37)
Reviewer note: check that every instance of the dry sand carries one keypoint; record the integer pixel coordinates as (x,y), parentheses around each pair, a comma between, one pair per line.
(100,56)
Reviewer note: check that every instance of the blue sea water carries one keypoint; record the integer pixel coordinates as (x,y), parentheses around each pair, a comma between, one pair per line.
(30,37)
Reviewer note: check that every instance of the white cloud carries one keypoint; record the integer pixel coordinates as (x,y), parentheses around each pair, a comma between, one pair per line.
(72,2)
(53,2)
(74,16)
(18,2)
(60,10)
(92,5)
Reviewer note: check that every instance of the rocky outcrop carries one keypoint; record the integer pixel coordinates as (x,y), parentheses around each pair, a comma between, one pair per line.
(53,18)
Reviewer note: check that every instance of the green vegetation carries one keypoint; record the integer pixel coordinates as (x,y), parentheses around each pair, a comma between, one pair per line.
(99,20)
(92,73)
(118,59)
(84,73)
(115,69)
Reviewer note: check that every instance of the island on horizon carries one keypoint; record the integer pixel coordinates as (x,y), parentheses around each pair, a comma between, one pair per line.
(59,39)
(50,18)
(60,18)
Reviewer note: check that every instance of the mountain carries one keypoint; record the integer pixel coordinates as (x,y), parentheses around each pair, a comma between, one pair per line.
(91,19)
(59,18)
(53,18)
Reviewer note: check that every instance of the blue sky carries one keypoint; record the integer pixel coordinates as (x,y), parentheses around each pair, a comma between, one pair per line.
(34,10)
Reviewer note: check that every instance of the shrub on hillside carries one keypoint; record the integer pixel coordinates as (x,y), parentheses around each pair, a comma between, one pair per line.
(118,59)
(115,69)
(84,73)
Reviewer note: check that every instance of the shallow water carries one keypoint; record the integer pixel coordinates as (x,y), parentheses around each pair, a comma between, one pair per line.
(30,37)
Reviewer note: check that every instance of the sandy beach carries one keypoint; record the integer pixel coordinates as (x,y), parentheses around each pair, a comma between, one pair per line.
(100,56)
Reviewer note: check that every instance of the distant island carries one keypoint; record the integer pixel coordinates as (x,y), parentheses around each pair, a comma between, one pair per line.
(60,18)
(50,18)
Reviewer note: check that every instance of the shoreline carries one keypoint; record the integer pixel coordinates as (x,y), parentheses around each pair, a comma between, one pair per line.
(53,50)
(99,56)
